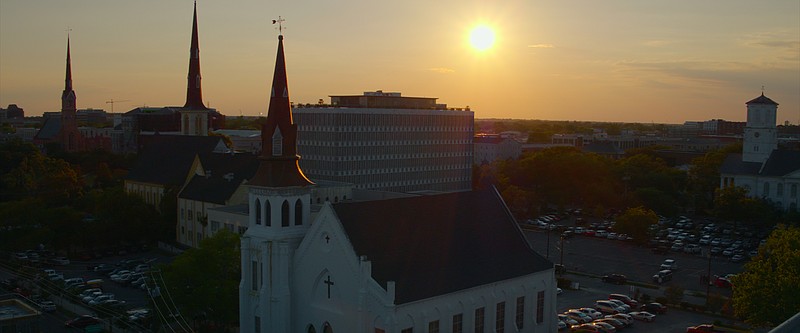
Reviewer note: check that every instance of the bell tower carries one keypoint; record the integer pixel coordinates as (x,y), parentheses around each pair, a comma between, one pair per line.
(760,132)
(194,114)
(279,201)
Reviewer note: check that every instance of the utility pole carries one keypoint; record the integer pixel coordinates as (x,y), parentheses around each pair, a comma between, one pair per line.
(112,101)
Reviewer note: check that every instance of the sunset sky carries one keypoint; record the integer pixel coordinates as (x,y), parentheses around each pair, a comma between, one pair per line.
(621,61)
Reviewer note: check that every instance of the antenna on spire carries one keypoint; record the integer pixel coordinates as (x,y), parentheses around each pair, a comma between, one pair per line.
(762,89)
(279,21)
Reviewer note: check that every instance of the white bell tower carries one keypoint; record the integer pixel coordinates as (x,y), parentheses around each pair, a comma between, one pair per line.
(279,202)
(760,132)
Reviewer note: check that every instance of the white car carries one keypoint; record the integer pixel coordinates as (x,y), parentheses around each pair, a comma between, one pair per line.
(643,316)
(669,264)
(100,299)
(628,320)
(623,308)
(591,312)
(569,321)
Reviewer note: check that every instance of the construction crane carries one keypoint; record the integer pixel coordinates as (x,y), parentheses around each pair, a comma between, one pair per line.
(112,101)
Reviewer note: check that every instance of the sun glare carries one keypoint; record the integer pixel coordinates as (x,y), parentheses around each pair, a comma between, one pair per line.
(481,38)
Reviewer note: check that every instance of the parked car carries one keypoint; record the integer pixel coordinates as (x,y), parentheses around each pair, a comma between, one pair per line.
(60,261)
(654,308)
(47,306)
(704,328)
(607,307)
(620,304)
(662,276)
(100,299)
(605,327)
(615,278)
(82,321)
(722,282)
(625,318)
(669,264)
(569,321)
(585,328)
(591,312)
(578,316)
(625,299)
(643,316)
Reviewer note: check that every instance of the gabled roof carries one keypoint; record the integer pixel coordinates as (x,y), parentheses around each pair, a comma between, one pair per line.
(761,100)
(434,245)
(50,129)
(224,174)
(166,159)
(781,162)
(733,164)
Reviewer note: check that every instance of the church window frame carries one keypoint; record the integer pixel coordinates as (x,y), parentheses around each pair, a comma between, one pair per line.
(285,213)
(458,323)
(277,143)
(766,189)
(480,318)
(520,314)
(298,212)
(540,307)
(327,328)
(311,329)
(257,323)
(433,326)
(779,189)
(258,211)
(500,317)
(793,191)
(267,213)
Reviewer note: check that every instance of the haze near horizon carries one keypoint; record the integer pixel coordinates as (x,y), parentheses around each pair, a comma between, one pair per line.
(619,61)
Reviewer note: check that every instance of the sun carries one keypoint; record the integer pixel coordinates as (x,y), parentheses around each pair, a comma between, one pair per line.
(481,38)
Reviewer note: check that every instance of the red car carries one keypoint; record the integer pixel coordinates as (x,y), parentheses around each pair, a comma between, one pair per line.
(82,321)
(704,328)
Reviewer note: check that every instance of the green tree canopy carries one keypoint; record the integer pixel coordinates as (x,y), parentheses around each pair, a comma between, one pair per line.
(636,223)
(204,281)
(768,291)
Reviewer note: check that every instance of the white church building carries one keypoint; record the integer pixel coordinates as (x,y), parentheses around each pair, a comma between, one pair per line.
(763,169)
(454,262)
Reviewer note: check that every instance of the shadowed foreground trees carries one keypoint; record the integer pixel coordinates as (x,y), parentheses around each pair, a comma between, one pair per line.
(204,281)
(636,223)
(768,291)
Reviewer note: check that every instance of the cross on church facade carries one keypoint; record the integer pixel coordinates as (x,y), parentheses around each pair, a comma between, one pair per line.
(329,283)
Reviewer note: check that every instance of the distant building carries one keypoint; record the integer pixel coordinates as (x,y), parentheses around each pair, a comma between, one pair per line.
(398,144)
(193,118)
(62,128)
(763,168)
(11,112)
(493,147)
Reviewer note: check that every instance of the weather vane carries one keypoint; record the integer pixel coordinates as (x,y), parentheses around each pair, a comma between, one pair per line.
(279,21)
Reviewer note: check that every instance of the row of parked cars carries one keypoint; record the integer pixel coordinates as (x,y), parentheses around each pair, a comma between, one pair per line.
(683,235)
(609,315)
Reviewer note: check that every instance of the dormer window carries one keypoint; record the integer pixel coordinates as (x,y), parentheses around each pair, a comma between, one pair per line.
(277,143)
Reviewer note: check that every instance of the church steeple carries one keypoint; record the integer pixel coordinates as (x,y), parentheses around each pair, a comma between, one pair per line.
(279,160)
(194,94)
(68,95)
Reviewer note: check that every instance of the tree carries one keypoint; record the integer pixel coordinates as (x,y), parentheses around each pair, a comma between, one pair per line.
(636,223)
(204,281)
(732,203)
(767,293)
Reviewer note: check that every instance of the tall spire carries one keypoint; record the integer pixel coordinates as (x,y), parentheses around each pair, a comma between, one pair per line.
(194,94)
(279,165)
(68,95)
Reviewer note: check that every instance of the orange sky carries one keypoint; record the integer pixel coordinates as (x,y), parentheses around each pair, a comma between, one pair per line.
(628,61)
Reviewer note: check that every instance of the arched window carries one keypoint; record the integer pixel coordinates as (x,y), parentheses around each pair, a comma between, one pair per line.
(311,329)
(326,328)
(258,211)
(298,212)
(285,214)
(267,214)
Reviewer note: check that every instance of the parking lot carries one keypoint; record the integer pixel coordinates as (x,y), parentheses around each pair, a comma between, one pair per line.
(588,257)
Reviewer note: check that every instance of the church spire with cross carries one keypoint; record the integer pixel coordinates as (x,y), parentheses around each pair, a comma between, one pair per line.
(68,98)
(279,162)
(194,93)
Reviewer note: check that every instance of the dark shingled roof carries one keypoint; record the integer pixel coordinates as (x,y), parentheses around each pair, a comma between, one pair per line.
(50,128)
(434,245)
(218,186)
(733,164)
(166,159)
(761,100)
(779,163)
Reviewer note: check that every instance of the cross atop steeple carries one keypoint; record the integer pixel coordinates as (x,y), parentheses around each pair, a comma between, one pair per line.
(279,21)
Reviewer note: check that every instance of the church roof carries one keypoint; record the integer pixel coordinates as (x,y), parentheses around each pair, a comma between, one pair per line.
(50,128)
(434,245)
(762,100)
(224,174)
(781,162)
(166,159)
